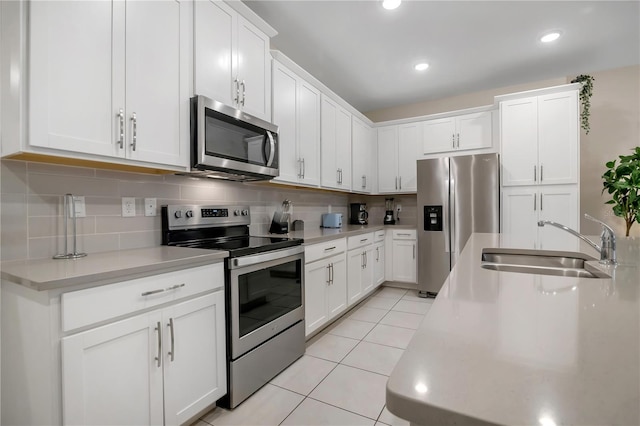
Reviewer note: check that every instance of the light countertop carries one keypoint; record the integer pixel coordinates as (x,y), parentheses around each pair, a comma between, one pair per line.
(511,348)
(319,235)
(102,268)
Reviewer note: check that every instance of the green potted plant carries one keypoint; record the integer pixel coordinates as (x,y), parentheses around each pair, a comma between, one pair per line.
(622,182)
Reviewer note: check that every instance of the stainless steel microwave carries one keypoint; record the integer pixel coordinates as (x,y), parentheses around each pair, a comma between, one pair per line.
(230,144)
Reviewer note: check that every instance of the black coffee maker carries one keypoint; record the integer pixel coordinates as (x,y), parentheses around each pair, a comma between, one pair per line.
(358,214)
(388,215)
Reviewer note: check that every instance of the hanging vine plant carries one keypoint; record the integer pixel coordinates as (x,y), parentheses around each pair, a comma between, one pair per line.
(586,90)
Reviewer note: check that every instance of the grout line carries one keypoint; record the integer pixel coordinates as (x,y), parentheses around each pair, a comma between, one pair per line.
(344,409)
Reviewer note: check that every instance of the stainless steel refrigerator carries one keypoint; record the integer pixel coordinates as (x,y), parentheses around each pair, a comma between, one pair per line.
(457,196)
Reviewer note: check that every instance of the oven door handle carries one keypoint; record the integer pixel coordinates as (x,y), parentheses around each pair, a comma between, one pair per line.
(242,261)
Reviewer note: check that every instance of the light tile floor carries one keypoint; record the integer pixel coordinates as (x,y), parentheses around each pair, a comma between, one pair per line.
(341,379)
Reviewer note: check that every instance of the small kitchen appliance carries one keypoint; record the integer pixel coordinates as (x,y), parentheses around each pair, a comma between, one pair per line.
(332,220)
(388,215)
(359,215)
(264,291)
(280,221)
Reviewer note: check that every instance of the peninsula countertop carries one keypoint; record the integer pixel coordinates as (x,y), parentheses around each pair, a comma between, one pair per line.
(102,268)
(511,348)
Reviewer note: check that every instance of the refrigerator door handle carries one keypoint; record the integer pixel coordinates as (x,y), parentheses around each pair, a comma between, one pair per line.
(452,214)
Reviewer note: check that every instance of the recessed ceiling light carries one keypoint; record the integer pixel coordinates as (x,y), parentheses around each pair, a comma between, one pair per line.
(421,66)
(549,37)
(391,4)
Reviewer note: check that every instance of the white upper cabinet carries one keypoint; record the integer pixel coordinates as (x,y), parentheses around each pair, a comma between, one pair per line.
(335,145)
(110,79)
(296,112)
(363,155)
(540,137)
(397,156)
(232,59)
(468,131)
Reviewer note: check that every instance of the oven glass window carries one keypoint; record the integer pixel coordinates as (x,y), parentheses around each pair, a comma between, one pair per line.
(268,294)
(225,138)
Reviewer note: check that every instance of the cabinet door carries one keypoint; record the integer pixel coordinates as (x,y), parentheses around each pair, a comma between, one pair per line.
(474,131)
(408,140)
(519,141)
(520,216)
(404,260)
(558,203)
(355,267)
(157,81)
(285,88)
(112,374)
(438,135)
(362,139)
(368,271)
(308,126)
(378,264)
(343,147)
(316,280)
(330,176)
(194,356)
(558,132)
(253,70)
(337,291)
(76,75)
(214,45)
(388,159)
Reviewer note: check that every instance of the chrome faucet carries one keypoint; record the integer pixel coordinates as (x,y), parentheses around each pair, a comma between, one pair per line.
(607,249)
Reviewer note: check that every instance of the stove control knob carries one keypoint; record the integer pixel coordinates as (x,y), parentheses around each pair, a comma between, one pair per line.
(245,212)
(236,212)
(189,213)
(178,214)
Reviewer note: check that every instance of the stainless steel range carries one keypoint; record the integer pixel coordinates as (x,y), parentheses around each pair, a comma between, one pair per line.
(264,283)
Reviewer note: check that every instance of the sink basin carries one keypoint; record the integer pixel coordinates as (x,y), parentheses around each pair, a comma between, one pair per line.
(541,262)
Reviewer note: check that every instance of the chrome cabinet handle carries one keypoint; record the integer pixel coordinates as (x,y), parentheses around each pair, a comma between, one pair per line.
(458,140)
(172,352)
(159,357)
(396,182)
(244,87)
(328,274)
(149,293)
(121,125)
(331,272)
(541,179)
(414,251)
(453,140)
(541,192)
(337,175)
(299,168)
(364,240)
(174,287)
(377,254)
(535,200)
(366,260)
(330,248)
(237,98)
(404,235)
(535,174)
(400,180)
(362,261)
(134,137)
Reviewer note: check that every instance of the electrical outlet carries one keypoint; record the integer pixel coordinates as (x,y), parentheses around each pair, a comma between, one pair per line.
(128,206)
(150,206)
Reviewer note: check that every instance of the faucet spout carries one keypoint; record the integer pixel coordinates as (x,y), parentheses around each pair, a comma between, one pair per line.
(607,249)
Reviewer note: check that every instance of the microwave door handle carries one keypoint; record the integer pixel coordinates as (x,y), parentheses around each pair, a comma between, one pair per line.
(272,149)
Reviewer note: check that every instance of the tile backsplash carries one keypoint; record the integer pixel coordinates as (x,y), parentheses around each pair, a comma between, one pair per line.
(31,206)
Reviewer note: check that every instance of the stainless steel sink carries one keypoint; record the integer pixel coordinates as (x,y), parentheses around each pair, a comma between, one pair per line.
(542,262)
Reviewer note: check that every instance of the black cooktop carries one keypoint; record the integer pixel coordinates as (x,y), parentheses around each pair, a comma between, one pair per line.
(243,246)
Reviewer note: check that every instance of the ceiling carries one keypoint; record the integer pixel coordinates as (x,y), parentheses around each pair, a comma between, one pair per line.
(366,54)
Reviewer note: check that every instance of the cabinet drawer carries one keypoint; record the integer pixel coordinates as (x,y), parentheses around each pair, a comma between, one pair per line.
(359,240)
(85,307)
(404,234)
(322,250)
(378,236)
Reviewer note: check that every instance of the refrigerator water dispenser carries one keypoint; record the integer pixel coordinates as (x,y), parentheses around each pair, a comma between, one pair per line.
(433,218)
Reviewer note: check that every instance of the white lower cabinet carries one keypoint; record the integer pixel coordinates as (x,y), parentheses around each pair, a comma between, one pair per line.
(359,274)
(325,285)
(378,263)
(404,256)
(169,361)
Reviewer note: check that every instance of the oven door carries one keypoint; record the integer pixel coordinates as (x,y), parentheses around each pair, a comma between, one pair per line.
(227,139)
(267,296)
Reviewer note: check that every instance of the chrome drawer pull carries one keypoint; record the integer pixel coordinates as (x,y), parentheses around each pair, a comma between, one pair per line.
(159,343)
(405,235)
(174,287)
(121,122)
(365,240)
(172,352)
(330,248)
(149,293)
